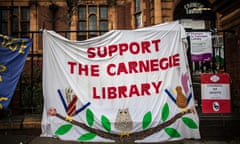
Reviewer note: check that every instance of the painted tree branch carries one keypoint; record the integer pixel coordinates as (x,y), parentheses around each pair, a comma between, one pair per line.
(133,136)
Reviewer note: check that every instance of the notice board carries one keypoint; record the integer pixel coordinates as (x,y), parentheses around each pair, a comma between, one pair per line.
(215,91)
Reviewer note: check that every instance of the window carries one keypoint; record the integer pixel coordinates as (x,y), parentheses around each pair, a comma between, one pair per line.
(138,6)
(103,19)
(92,25)
(138,13)
(14,20)
(25,19)
(152,12)
(92,21)
(3,21)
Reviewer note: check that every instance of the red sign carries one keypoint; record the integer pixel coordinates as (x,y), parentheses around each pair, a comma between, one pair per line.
(215,91)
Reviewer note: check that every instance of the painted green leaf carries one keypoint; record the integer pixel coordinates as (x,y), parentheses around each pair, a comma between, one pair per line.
(90,117)
(173,133)
(190,123)
(165,112)
(147,119)
(106,123)
(63,129)
(87,136)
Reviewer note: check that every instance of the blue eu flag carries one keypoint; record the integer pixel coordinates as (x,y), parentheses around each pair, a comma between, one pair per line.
(13,54)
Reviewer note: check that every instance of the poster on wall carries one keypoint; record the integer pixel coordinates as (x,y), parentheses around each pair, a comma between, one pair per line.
(201,46)
(215,91)
(218,44)
(124,86)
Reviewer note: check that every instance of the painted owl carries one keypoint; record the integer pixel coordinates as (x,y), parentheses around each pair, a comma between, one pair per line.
(123,122)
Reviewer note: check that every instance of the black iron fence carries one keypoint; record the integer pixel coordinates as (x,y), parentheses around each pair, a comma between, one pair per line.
(28,97)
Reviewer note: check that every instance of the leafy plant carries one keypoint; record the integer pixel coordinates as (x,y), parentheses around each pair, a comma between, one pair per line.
(31,90)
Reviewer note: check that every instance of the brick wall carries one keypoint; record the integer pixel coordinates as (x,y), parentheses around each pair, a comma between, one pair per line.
(232,55)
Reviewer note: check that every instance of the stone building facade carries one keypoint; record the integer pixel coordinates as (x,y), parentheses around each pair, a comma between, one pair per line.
(228,22)
(83,19)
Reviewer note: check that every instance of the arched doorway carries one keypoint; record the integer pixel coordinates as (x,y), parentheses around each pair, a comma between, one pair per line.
(195,14)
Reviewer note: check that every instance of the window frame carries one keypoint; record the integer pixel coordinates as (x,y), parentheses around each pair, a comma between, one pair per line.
(14,22)
(4,20)
(99,29)
(138,13)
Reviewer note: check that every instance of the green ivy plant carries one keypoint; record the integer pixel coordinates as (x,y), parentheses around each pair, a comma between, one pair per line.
(31,91)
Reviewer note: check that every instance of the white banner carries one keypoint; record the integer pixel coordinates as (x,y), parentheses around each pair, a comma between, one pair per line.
(124,86)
